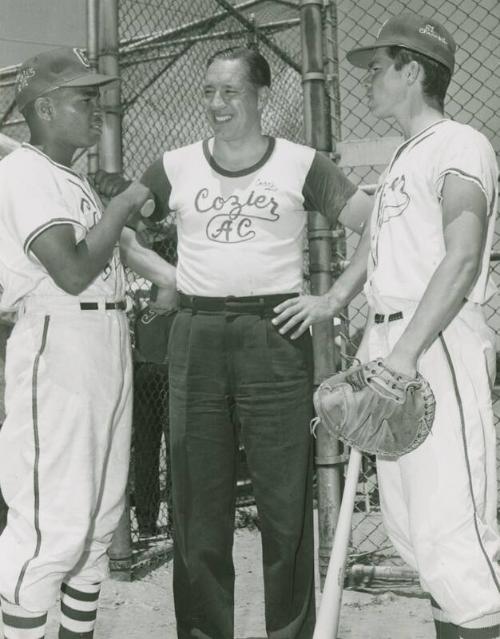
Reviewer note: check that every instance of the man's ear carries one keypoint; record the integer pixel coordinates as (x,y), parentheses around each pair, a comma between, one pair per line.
(44,108)
(413,71)
(263,96)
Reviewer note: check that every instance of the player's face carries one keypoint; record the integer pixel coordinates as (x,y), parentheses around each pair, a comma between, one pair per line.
(384,84)
(231,101)
(77,118)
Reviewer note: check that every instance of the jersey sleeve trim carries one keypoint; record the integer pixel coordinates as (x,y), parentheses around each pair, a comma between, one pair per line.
(466,176)
(326,188)
(58,221)
(157,181)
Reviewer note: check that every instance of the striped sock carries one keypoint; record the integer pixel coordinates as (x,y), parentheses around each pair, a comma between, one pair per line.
(19,623)
(78,611)
(491,632)
(445,630)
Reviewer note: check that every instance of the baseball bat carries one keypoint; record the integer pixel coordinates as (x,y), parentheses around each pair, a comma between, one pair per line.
(328,618)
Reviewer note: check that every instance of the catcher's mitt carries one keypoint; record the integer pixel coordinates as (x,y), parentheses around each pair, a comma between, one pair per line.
(375,409)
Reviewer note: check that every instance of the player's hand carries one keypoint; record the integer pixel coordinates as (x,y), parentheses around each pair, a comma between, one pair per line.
(163,300)
(135,196)
(109,184)
(299,313)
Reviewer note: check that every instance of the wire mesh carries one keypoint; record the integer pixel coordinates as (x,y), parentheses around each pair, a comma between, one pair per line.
(11,121)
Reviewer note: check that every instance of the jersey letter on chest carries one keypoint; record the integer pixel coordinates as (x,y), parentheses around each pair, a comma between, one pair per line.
(232,219)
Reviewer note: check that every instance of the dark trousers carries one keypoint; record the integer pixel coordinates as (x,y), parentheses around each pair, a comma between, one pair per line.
(150,421)
(221,362)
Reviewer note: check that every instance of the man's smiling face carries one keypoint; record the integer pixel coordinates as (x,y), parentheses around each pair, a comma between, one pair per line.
(230,99)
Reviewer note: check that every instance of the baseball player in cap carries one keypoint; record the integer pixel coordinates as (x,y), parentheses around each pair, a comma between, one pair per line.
(425,262)
(64,445)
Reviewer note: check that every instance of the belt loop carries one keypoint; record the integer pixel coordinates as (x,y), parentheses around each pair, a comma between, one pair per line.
(192,302)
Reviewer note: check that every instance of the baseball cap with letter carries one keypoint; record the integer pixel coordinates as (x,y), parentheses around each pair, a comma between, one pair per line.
(49,70)
(410,31)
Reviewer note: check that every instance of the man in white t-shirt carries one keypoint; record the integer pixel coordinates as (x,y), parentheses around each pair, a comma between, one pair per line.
(425,261)
(65,441)
(241,200)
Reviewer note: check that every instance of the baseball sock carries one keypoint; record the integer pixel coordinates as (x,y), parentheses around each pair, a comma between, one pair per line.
(19,623)
(491,632)
(450,631)
(78,611)
(445,630)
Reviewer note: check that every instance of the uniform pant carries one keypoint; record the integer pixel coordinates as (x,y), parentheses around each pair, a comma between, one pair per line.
(64,449)
(439,501)
(220,363)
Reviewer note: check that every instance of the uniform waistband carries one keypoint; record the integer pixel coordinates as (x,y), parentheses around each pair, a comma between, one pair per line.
(384,310)
(380,318)
(108,306)
(53,304)
(251,304)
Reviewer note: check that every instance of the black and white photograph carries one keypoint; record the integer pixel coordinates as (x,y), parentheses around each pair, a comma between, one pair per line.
(249,319)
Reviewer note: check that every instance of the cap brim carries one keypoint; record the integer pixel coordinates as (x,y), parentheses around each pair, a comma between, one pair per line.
(91,80)
(362,57)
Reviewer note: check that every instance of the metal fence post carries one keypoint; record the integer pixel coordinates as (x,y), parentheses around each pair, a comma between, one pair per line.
(93,57)
(111,139)
(110,159)
(318,135)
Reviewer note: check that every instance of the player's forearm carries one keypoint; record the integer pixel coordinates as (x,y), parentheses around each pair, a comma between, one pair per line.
(352,280)
(92,255)
(146,262)
(442,300)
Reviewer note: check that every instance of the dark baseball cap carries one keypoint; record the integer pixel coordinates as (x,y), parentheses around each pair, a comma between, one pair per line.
(62,67)
(410,31)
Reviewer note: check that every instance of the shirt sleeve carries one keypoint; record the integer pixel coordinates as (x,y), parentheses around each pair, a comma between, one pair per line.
(155,178)
(326,189)
(470,156)
(36,202)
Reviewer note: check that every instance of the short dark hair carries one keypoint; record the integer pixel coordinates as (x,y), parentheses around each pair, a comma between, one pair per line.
(258,70)
(436,75)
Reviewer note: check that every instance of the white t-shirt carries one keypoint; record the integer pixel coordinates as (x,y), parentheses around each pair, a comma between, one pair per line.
(407,241)
(36,193)
(242,232)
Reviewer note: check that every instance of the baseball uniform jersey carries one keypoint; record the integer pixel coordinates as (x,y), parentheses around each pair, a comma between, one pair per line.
(407,233)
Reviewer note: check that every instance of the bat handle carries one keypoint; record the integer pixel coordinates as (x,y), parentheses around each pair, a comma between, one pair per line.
(327,623)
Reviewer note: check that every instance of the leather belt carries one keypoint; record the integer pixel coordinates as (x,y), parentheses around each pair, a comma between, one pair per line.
(380,318)
(108,306)
(252,304)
